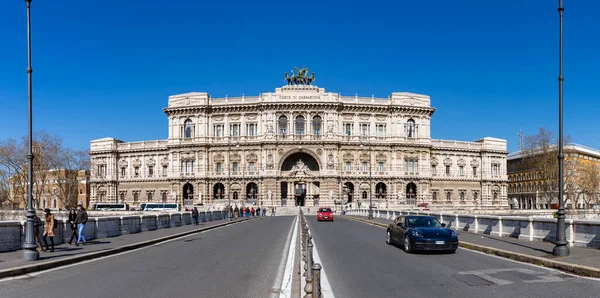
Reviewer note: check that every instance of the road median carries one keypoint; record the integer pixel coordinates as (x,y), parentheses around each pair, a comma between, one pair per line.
(45,265)
(576,269)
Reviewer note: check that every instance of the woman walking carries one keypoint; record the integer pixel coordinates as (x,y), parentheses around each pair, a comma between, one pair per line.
(72,217)
(49,229)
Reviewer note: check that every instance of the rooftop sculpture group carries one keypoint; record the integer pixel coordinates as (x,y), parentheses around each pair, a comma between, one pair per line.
(301,78)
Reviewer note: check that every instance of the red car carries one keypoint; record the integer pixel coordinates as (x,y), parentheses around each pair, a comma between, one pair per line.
(324,214)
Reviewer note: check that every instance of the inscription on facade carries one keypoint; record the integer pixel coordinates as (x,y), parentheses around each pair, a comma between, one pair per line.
(299,96)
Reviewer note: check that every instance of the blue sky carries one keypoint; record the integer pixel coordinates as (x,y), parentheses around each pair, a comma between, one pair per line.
(106,68)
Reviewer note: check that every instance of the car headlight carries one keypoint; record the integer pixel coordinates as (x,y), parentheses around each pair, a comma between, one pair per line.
(416,233)
(453,233)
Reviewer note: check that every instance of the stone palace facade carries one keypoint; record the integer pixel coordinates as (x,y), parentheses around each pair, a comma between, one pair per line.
(303,146)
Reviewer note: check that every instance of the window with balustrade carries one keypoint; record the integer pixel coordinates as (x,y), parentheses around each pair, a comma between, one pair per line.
(283,120)
(219,167)
(364,167)
(381,130)
(251,129)
(251,167)
(219,130)
(150,171)
(235,167)
(348,129)
(188,128)
(317,123)
(234,130)
(365,129)
(380,166)
(348,167)
(300,125)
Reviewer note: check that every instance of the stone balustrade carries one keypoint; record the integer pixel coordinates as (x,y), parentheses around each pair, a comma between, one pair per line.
(580,233)
(12,233)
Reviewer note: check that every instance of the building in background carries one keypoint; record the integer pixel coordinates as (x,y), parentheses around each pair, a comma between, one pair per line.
(533,178)
(302,146)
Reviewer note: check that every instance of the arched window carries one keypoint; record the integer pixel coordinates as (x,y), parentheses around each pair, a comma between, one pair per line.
(188,128)
(365,195)
(283,125)
(164,196)
(300,125)
(122,197)
(317,125)
(235,195)
(410,128)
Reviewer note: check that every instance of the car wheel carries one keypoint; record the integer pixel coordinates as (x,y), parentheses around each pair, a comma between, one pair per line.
(388,237)
(407,246)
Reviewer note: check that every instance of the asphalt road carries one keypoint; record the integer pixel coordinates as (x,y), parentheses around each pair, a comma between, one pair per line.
(360,264)
(241,260)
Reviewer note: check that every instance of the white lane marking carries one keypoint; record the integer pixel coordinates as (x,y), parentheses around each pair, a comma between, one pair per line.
(101,258)
(325,286)
(555,271)
(286,282)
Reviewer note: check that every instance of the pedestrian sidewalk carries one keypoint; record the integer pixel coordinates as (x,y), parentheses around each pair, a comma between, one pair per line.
(12,263)
(581,261)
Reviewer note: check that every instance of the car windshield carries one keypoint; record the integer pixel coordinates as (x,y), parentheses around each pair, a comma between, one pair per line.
(423,222)
(324,210)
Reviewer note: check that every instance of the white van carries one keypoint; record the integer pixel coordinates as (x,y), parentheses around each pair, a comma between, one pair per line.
(161,207)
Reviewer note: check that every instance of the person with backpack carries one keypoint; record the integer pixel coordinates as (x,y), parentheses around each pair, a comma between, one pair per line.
(72,217)
(49,227)
(37,223)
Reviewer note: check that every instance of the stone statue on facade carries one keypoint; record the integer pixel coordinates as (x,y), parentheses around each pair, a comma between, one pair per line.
(300,169)
(331,195)
(399,195)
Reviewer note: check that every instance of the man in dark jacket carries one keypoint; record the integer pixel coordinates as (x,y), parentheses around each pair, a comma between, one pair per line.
(80,221)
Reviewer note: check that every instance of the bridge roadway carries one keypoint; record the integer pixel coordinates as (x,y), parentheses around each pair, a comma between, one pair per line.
(359,264)
(240,260)
(247,260)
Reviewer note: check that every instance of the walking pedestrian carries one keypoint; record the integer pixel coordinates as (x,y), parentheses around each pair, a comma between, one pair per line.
(195,216)
(37,223)
(80,220)
(49,229)
(72,218)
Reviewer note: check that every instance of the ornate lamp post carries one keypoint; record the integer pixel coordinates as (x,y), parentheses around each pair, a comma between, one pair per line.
(370,179)
(561,248)
(30,252)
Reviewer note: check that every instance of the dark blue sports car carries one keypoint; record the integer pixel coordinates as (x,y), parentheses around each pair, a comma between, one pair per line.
(417,232)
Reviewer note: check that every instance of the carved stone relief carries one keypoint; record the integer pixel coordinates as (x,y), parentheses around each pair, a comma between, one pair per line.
(474,163)
(348,157)
(252,157)
(461,162)
(136,162)
(219,157)
(330,162)
(380,157)
(270,162)
(447,161)
(434,161)
(123,163)
(319,152)
(164,161)
(150,162)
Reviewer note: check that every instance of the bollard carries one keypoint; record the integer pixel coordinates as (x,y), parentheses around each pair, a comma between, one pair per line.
(316,277)
(309,261)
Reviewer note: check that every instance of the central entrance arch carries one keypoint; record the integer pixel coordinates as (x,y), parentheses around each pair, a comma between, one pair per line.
(296,170)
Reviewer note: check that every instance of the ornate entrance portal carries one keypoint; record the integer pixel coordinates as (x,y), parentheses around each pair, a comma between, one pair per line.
(299,172)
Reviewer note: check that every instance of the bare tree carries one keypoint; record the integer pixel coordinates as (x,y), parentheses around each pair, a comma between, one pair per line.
(541,153)
(13,157)
(69,162)
(590,183)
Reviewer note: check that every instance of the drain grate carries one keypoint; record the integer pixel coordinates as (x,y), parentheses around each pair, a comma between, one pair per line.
(473,280)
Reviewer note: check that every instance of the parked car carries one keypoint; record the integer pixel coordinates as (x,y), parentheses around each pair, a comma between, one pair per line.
(418,232)
(324,214)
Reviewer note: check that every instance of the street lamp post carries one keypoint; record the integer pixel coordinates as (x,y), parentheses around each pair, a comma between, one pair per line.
(30,252)
(228,180)
(370,181)
(561,248)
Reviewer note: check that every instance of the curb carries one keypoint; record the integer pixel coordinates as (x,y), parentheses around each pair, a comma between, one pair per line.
(12,272)
(580,270)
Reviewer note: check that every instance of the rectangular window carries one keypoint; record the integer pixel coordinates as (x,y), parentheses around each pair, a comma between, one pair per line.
(235,167)
(495,169)
(434,196)
(474,171)
(218,130)
(447,170)
(475,195)
(348,129)
(188,166)
(365,129)
(380,167)
(123,172)
(448,196)
(150,171)
(461,170)
(251,129)
(102,170)
(381,130)
(348,167)
(136,171)
(433,170)
(164,171)
(234,130)
(149,197)
(364,166)
(251,167)
(219,167)
(462,195)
